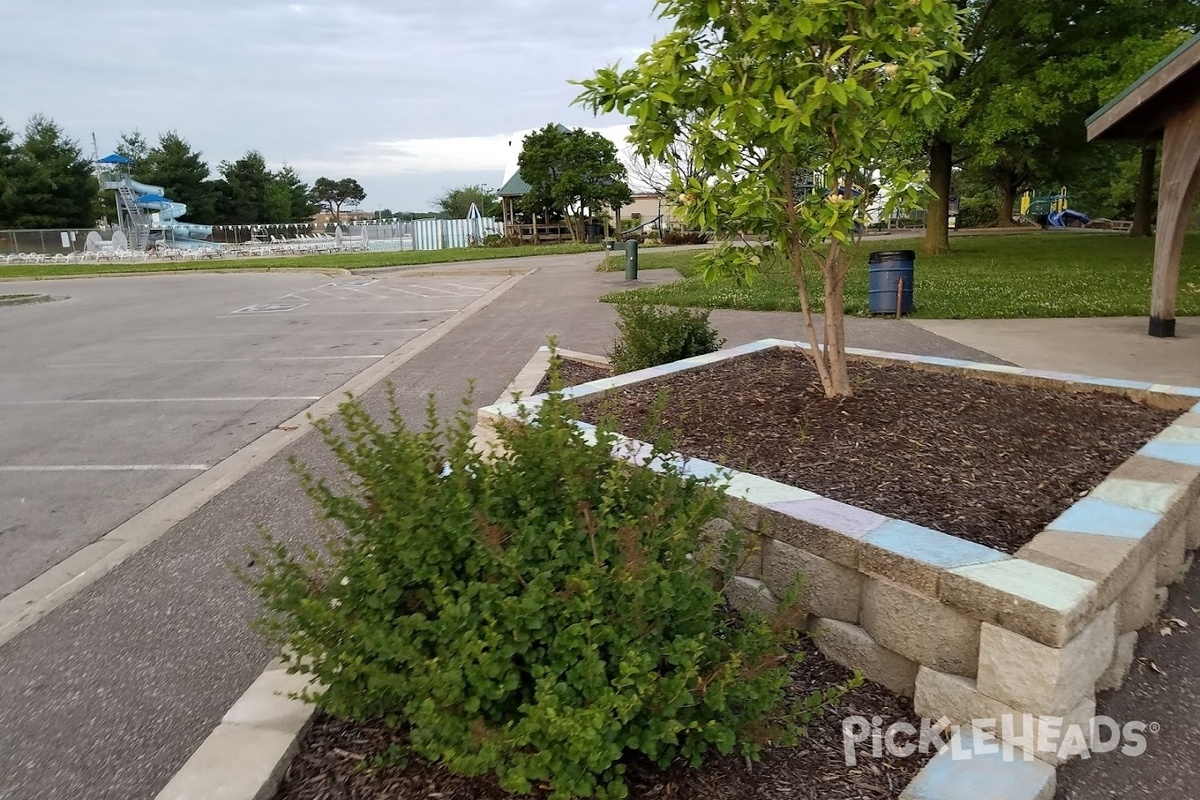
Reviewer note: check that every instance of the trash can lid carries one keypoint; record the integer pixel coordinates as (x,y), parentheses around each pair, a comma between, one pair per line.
(892,255)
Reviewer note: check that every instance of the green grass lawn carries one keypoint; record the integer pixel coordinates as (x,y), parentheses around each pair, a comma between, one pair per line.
(985,277)
(326,261)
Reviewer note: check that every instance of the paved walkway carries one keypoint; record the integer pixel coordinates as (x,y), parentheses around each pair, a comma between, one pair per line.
(1115,347)
(109,695)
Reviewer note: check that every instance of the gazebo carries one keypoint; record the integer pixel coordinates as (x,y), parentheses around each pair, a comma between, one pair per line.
(519,226)
(1164,103)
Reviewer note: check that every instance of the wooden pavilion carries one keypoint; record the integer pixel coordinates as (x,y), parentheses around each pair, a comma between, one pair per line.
(1164,103)
(522,226)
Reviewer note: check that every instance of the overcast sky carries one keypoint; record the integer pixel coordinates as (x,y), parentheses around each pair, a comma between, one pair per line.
(409,96)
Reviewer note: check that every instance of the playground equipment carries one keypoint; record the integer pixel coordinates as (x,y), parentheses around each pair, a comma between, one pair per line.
(145,215)
(1051,211)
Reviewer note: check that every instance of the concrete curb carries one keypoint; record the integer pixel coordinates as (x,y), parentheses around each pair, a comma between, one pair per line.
(23,299)
(48,591)
(247,755)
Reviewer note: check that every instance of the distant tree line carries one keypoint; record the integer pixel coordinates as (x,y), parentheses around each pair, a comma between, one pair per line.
(46,181)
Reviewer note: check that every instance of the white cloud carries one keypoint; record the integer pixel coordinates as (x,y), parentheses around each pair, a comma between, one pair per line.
(494,153)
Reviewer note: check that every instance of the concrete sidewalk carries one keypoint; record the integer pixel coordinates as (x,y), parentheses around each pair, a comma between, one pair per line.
(1116,347)
(110,694)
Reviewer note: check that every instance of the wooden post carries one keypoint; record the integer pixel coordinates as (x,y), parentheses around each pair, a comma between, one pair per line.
(1177,190)
(900,298)
(535,230)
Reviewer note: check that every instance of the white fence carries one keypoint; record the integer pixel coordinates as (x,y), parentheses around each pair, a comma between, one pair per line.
(37,246)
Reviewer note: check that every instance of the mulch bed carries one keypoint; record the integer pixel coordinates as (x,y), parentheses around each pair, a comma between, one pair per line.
(985,461)
(334,759)
(573,373)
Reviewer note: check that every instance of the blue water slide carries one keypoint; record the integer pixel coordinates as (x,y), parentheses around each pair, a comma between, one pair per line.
(168,229)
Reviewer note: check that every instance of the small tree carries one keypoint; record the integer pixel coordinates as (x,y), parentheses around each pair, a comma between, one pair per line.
(768,94)
(332,195)
(456,203)
(572,173)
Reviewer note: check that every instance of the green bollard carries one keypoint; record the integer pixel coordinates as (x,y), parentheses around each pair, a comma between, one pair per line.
(631,260)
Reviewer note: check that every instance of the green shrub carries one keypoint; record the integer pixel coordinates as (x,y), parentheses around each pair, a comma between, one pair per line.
(978,211)
(649,335)
(539,615)
(685,237)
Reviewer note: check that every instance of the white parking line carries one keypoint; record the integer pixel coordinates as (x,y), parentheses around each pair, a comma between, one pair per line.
(364,291)
(108,468)
(215,361)
(322,331)
(405,291)
(445,292)
(329,313)
(464,286)
(101,401)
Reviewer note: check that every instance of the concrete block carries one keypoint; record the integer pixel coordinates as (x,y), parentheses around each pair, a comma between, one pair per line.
(267,704)
(1115,675)
(235,762)
(917,557)
(1091,515)
(822,527)
(1161,596)
(826,589)
(1180,452)
(1110,561)
(750,596)
(975,767)
(1047,605)
(1171,556)
(1193,526)
(744,514)
(959,700)
(850,646)
(1136,606)
(715,543)
(921,628)
(1034,678)
(1142,468)
(1156,496)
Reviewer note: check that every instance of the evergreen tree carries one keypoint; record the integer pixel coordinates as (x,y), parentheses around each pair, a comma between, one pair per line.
(243,190)
(302,206)
(50,184)
(184,175)
(7,163)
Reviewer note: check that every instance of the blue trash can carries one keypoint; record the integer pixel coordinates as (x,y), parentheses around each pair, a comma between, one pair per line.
(885,269)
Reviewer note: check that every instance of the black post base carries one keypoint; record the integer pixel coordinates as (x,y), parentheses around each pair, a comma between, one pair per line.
(1162,328)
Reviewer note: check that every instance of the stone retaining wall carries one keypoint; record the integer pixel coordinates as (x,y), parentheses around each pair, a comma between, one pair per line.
(968,631)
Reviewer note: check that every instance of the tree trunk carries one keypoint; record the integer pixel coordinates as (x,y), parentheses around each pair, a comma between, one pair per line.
(1006,188)
(937,213)
(1145,192)
(835,335)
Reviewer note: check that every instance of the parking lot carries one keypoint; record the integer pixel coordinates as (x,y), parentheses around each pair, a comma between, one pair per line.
(130,387)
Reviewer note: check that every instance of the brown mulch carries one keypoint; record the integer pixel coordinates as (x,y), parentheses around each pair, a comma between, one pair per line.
(335,758)
(573,373)
(985,461)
